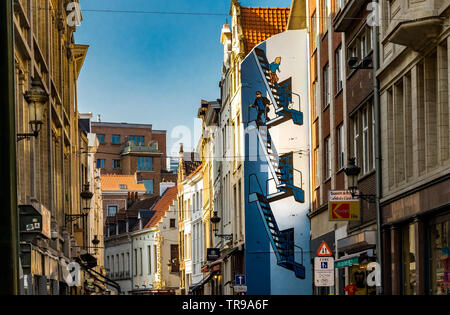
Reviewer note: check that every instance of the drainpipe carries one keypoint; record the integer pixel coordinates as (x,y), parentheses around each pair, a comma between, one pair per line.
(376,98)
(9,218)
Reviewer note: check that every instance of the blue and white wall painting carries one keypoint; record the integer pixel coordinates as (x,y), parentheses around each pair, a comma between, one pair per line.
(275,112)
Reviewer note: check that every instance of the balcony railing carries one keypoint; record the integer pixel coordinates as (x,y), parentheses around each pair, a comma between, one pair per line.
(130,146)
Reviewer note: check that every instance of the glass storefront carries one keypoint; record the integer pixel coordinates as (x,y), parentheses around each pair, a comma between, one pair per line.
(409,260)
(440,256)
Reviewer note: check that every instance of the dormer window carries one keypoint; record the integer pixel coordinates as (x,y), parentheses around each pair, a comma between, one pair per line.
(123,186)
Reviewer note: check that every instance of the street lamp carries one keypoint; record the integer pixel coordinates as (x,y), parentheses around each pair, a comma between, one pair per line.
(36,98)
(215,219)
(352,171)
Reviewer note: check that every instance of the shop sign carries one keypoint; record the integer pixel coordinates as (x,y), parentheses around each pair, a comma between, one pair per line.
(346,262)
(212,254)
(324,271)
(342,206)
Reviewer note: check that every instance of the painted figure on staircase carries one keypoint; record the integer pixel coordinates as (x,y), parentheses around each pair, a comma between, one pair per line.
(274,67)
(262,105)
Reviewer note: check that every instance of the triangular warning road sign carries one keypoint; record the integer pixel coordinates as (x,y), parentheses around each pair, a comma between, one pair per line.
(324,250)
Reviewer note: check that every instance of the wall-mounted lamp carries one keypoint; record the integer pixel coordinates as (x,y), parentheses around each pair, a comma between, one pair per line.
(352,171)
(215,219)
(36,98)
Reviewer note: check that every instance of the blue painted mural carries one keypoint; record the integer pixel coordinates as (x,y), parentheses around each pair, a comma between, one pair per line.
(276,225)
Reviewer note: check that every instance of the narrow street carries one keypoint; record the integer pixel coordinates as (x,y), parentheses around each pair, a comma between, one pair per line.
(239,150)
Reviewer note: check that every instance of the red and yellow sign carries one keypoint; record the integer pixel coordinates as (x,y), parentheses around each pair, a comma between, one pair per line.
(342,206)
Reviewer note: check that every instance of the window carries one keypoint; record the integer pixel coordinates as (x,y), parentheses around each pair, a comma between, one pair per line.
(136,140)
(327,158)
(115,139)
(135,262)
(315,103)
(172,223)
(112,210)
(440,256)
(363,148)
(409,260)
(174,258)
(365,138)
(356,139)
(145,163)
(316,170)
(326,92)
(338,4)
(314,29)
(339,70)
(149,252)
(155,258)
(340,143)
(100,163)
(101,138)
(116,164)
(122,186)
(149,187)
(324,15)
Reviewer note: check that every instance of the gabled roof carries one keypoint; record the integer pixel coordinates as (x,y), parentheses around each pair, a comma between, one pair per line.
(258,24)
(162,205)
(112,182)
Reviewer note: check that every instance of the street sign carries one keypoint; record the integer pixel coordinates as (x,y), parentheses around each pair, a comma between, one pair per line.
(240,288)
(342,206)
(324,271)
(240,280)
(324,250)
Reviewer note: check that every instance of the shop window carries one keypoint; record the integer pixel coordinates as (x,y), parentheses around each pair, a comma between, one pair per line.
(409,260)
(440,257)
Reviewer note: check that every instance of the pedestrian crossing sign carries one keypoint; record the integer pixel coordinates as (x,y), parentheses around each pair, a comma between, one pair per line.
(324,250)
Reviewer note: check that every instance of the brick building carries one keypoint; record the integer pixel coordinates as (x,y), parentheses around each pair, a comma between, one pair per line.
(129,149)
(342,127)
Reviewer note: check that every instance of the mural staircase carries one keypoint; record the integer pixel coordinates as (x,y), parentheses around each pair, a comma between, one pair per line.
(282,111)
(282,241)
(280,167)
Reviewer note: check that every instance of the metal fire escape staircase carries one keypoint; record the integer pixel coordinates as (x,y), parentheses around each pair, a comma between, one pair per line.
(282,111)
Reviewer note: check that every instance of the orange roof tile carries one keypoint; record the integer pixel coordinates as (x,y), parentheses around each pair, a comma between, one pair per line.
(112,182)
(258,24)
(162,205)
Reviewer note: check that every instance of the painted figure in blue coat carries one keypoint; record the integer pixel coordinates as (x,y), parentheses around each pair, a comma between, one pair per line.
(273,68)
(262,106)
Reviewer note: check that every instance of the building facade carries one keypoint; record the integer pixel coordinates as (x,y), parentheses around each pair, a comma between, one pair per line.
(128,149)
(414,85)
(49,166)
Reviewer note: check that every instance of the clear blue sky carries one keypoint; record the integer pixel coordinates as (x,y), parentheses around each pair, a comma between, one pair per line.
(152,68)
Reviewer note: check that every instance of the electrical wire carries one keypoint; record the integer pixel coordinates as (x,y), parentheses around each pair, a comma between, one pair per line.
(222,14)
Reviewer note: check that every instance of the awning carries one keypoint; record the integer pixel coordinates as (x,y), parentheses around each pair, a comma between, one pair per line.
(200,284)
(357,242)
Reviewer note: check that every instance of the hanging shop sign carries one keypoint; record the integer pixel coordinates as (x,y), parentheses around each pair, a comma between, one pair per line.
(342,206)
(212,254)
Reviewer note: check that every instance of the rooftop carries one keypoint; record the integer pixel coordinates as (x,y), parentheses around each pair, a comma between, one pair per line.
(260,23)
(162,205)
(112,182)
